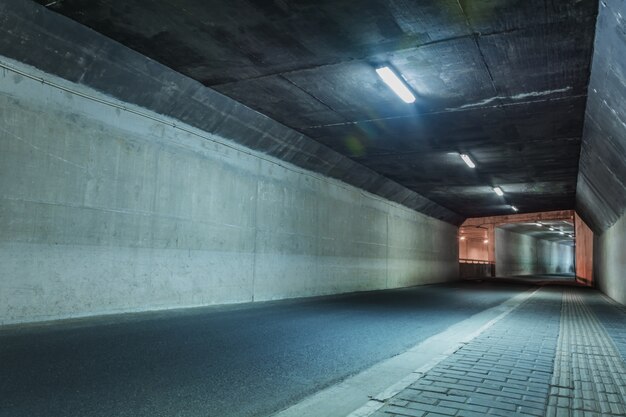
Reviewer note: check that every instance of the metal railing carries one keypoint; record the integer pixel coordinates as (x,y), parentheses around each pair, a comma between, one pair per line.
(475,261)
(476,268)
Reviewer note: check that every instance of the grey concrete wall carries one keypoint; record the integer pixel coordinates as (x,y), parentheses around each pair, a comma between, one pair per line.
(601,185)
(520,254)
(609,259)
(554,258)
(515,253)
(108,209)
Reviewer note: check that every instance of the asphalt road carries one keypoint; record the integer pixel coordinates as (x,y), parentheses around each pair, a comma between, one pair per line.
(249,360)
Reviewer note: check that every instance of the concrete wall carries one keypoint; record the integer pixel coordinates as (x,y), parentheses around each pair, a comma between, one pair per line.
(106,207)
(474,248)
(601,186)
(520,254)
(584,251)
(554,258)
(610,261)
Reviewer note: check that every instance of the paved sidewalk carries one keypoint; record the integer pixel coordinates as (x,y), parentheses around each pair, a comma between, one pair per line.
(589,373)
(552,356)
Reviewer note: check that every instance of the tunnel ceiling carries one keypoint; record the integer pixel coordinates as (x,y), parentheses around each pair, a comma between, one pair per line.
(544,232)
(504,81)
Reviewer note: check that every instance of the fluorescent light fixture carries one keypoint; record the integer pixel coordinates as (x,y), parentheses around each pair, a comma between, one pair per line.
(396,84)
(561,232)
(551,228)
(514,208)
(539,224)
(498,191)
(468,160)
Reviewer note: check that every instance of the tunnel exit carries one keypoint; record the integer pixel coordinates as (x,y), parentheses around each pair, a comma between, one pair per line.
(549,246)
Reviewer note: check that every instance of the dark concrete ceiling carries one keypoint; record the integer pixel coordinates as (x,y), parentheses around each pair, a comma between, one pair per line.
(502,80)
(544,232)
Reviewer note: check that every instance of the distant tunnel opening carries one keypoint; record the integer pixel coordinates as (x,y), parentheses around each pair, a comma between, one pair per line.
(547,246)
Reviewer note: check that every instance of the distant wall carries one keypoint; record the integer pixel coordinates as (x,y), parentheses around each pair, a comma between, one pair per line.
(610,261)
(473,248)
(519,254)
(584,251)
(515,253)
(103,210)
(554,258)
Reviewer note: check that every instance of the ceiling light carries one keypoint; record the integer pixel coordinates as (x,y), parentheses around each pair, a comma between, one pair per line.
(539,224)
(514,208)
(498,191)
(396,84)
(462,238)
(561,232)
(552,228)
(468,160)
(486,241)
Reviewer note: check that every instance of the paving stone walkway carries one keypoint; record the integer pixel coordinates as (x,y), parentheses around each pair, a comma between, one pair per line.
(589,373)
(551,356)
(613,318)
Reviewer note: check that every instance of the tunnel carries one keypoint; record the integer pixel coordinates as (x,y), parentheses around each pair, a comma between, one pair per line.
(291,208)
